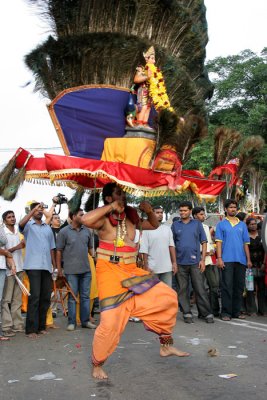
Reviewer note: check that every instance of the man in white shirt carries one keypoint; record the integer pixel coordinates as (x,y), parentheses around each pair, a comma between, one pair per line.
(157,247)
(211,271)
(12,320)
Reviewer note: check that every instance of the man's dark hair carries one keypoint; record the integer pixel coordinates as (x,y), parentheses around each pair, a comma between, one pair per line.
(197,210)
(157,208)
(72,213)
(186,204)
(241,215)
(108,190)
(228,202)
(33,205)
(5,214)
(250,219)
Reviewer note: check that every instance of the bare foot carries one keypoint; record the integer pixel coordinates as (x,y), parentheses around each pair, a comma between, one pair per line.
(32,336)
(3,339)
(44,332)
(166,351)
(52,327)
(99,373)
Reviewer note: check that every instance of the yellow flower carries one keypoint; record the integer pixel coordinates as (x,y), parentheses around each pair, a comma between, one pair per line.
(157,89)
(118,242)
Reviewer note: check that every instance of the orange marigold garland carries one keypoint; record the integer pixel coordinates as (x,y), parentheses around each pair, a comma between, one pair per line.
(157,88)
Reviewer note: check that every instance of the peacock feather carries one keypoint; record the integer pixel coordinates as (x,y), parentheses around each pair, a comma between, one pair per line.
(6,173)
(11,190)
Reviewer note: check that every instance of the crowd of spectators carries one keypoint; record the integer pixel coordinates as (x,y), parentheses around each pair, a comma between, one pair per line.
(210,261)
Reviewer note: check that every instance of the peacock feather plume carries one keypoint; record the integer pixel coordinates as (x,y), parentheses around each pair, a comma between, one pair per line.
(6,173)
(102,41)
(249,152)
(92,202)
(11,190)
(226,141)
(74,203)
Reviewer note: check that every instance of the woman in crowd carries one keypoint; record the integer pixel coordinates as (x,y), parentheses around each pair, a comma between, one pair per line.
(258,259)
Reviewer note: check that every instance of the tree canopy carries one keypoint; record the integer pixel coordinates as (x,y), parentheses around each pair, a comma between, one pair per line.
(240,96)
(240,104)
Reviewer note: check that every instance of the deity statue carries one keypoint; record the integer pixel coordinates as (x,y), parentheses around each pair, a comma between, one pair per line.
(150,91)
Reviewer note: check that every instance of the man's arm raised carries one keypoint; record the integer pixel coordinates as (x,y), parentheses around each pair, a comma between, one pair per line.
(95,219)
(28,216)
(151,222)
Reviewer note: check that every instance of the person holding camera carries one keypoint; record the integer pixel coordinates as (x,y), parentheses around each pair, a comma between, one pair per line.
(39,258)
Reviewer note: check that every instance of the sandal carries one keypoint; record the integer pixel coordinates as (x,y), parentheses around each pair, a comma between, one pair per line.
(241,316)
(43,332)
(32,336)
(226,318)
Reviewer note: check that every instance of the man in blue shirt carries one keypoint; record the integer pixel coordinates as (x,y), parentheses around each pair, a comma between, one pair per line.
(232,241)
(39,258)
(188,235)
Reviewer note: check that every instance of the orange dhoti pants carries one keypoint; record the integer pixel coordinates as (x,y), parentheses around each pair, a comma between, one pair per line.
(157,308)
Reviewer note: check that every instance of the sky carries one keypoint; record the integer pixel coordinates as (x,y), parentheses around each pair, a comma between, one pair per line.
(233,26)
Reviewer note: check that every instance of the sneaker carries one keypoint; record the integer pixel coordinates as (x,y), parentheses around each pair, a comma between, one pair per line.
(89,325)
(209,320)
(188,320)
(71,327)
(18,329)
(9,333)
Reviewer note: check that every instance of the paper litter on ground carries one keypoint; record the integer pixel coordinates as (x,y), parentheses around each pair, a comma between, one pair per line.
(47,375)
(227,376)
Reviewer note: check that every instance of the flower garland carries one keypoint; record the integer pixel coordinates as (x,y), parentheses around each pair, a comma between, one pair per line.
(121,233)
(157,88)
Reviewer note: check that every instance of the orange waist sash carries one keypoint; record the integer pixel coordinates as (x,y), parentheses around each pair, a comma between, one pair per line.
(118,282)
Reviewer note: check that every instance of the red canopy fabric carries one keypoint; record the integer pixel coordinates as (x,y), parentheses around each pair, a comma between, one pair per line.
(230,169)
(89,173)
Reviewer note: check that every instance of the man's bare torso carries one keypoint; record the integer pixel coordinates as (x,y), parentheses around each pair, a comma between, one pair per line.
(108,232)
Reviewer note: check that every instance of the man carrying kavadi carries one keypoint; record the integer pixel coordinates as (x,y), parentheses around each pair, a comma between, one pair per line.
(124,289)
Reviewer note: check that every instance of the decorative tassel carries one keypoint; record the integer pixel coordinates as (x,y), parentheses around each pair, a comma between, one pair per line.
(92,201)
(75,202)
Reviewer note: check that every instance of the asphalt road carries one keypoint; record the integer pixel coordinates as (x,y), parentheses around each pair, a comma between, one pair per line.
(136,370)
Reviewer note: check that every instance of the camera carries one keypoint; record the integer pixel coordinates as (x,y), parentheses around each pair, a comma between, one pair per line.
(60,199)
